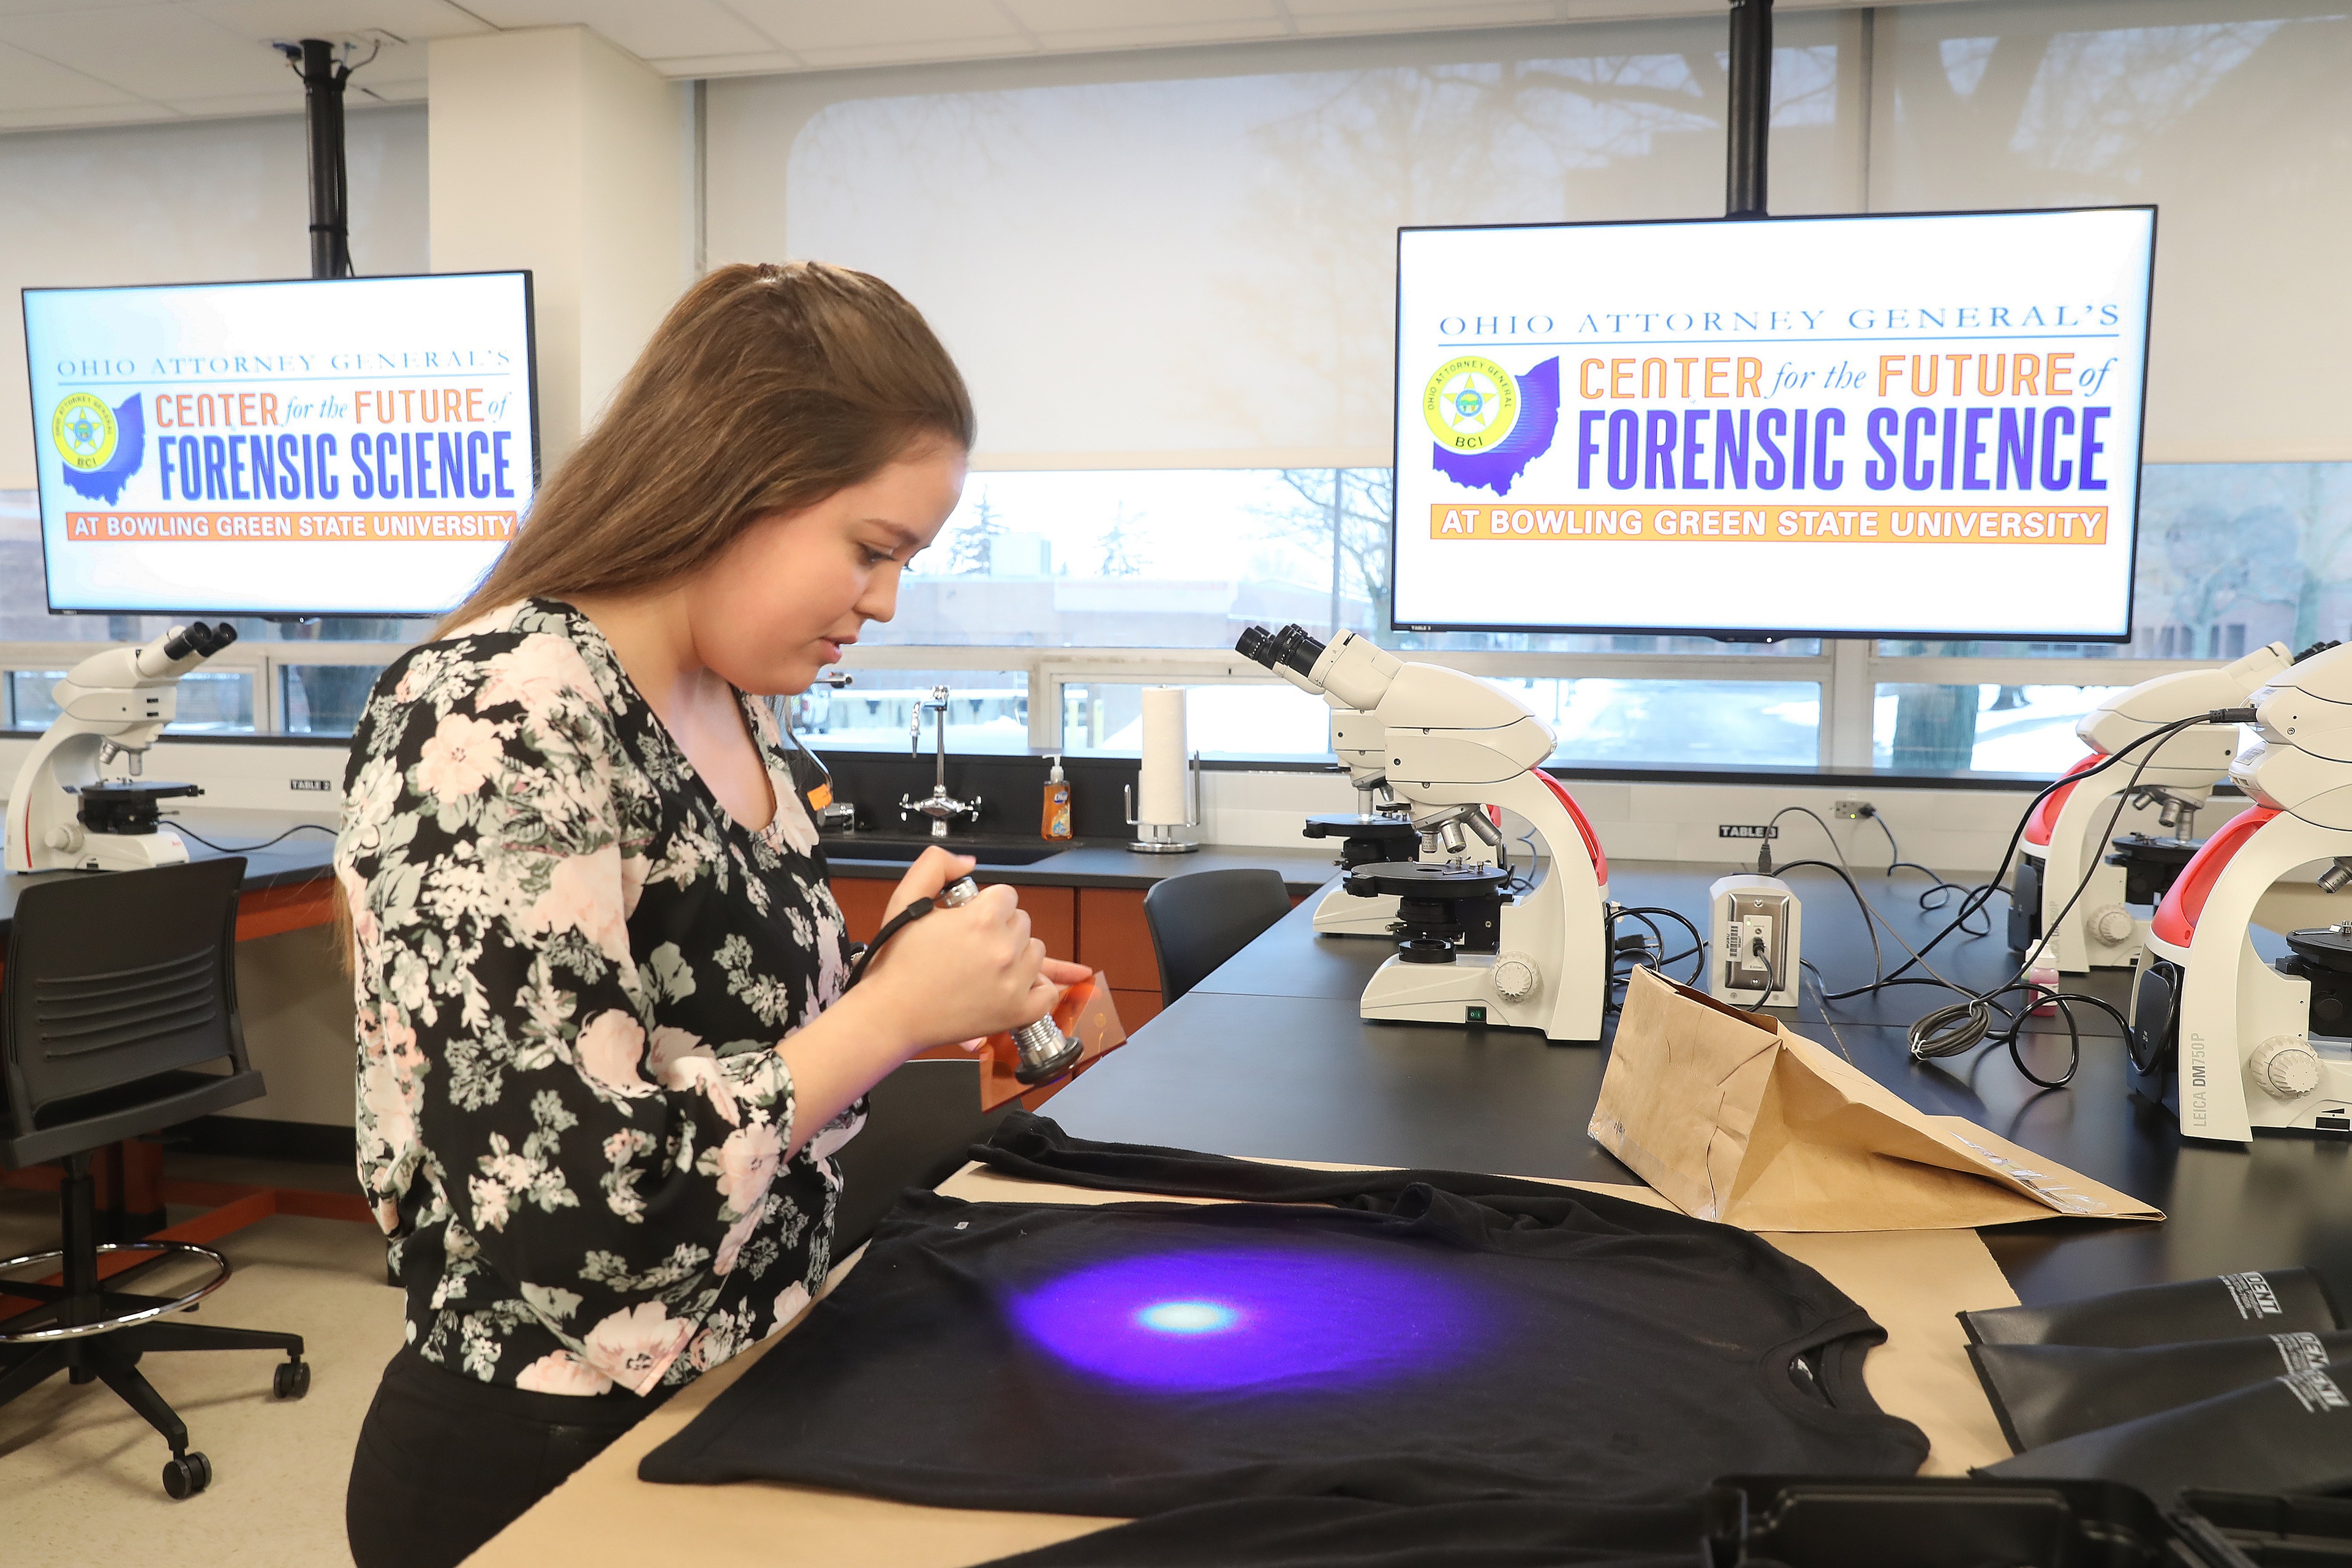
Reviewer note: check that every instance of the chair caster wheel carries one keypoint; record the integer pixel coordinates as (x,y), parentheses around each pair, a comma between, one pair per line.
(292,1380)
(186,1476)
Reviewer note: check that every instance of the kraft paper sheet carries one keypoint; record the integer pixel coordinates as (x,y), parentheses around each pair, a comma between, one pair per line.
(1912,1283)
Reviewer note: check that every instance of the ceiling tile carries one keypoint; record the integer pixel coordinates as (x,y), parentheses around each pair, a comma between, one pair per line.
(648,31)
(892,29)
(392,63)
(264,19)
(1140,15)
(1148,36)
(221,106)
(921,52)
(1661,10)
(411,92)
(61,119)
(28,83)
(687,66)
(158,52)
(28,7)
(1329,17)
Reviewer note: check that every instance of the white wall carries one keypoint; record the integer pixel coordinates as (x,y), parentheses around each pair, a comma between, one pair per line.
(192,201)
(588,188)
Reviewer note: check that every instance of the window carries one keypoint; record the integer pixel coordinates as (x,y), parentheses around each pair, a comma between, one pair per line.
(987,710)
(1166,275)
(1988,729)
(324,699)
(1261,720)
(1679,724)
(1180,558)
(306,678)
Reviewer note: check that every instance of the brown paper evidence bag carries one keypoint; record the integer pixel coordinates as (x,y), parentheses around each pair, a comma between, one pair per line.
(1732,1117)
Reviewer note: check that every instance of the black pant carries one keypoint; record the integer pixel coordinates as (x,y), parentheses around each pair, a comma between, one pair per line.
(446,1462)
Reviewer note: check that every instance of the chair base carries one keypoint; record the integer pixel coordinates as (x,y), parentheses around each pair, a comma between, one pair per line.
(113,1360)
(111,1355)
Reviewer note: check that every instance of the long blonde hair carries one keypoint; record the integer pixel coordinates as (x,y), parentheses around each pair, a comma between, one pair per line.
(765,389)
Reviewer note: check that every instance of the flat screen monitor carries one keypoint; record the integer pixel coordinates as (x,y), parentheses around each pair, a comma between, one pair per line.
(1918,425)
(343,446)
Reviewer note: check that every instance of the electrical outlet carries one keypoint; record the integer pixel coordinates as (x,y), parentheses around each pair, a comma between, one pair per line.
(1853,810)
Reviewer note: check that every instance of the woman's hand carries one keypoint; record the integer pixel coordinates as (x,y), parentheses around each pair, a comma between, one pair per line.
(955,974)
(961,973)
(927,879)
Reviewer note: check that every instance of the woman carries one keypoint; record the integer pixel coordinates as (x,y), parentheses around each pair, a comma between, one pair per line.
(603,1049)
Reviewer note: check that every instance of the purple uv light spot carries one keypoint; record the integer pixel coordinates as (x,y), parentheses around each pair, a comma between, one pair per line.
(1189,1317)
(1248,1316)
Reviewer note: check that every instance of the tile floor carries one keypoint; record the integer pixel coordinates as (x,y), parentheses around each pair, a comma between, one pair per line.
(80,1474)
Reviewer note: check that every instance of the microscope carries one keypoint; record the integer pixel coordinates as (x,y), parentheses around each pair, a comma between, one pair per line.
(2255,1045)
(65,812)
(1378,830)
(1478,941)
(2100,931)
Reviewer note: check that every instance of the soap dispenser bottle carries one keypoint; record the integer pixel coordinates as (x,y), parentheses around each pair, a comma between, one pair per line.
(1055,823)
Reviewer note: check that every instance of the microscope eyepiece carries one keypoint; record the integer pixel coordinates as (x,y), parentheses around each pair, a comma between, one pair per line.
(1256,643)
(1297,646)
(197,637)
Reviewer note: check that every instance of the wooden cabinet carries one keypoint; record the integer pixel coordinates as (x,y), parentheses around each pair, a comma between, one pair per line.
(1053,912)
(1114,937)
(862,901)
(1102,928)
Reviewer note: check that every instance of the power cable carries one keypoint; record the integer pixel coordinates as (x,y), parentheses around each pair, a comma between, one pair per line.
(1949,1030)
(181,827)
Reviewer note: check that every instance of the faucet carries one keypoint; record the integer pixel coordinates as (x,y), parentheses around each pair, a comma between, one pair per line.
(940,806)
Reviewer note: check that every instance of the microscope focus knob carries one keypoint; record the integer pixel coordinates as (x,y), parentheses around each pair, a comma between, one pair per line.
(2112,924)
(1515,977)
(65,835)
(2285,1067)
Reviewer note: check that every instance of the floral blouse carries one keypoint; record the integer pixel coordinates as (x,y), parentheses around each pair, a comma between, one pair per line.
(573,969)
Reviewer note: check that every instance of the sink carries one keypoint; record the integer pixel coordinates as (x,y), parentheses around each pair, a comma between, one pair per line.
(906,851)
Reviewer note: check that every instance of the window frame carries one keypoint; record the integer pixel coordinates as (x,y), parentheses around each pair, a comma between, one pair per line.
(1849,672)
(265,662)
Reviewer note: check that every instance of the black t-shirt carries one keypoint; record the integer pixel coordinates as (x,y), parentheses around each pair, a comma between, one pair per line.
(1443,1338)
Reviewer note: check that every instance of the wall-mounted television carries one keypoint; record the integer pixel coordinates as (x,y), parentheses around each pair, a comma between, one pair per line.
(337,447)
(1901,425)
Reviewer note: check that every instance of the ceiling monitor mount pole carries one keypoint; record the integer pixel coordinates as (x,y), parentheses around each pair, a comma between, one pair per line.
(1749,107)
(323,74)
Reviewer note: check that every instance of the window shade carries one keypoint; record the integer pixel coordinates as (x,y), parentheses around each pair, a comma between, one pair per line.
(1188,258)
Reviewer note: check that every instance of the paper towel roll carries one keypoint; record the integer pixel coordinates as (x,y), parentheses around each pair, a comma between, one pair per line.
(1160,791)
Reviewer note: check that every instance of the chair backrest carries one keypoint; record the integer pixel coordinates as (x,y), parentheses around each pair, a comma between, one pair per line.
(114,976)
(1200,920)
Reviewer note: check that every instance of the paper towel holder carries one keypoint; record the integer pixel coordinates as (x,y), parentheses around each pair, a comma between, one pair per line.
(1167,837)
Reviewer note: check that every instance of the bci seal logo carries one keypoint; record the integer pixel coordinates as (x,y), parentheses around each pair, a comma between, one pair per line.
(1489,422)
(1470,403)
(102,446)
